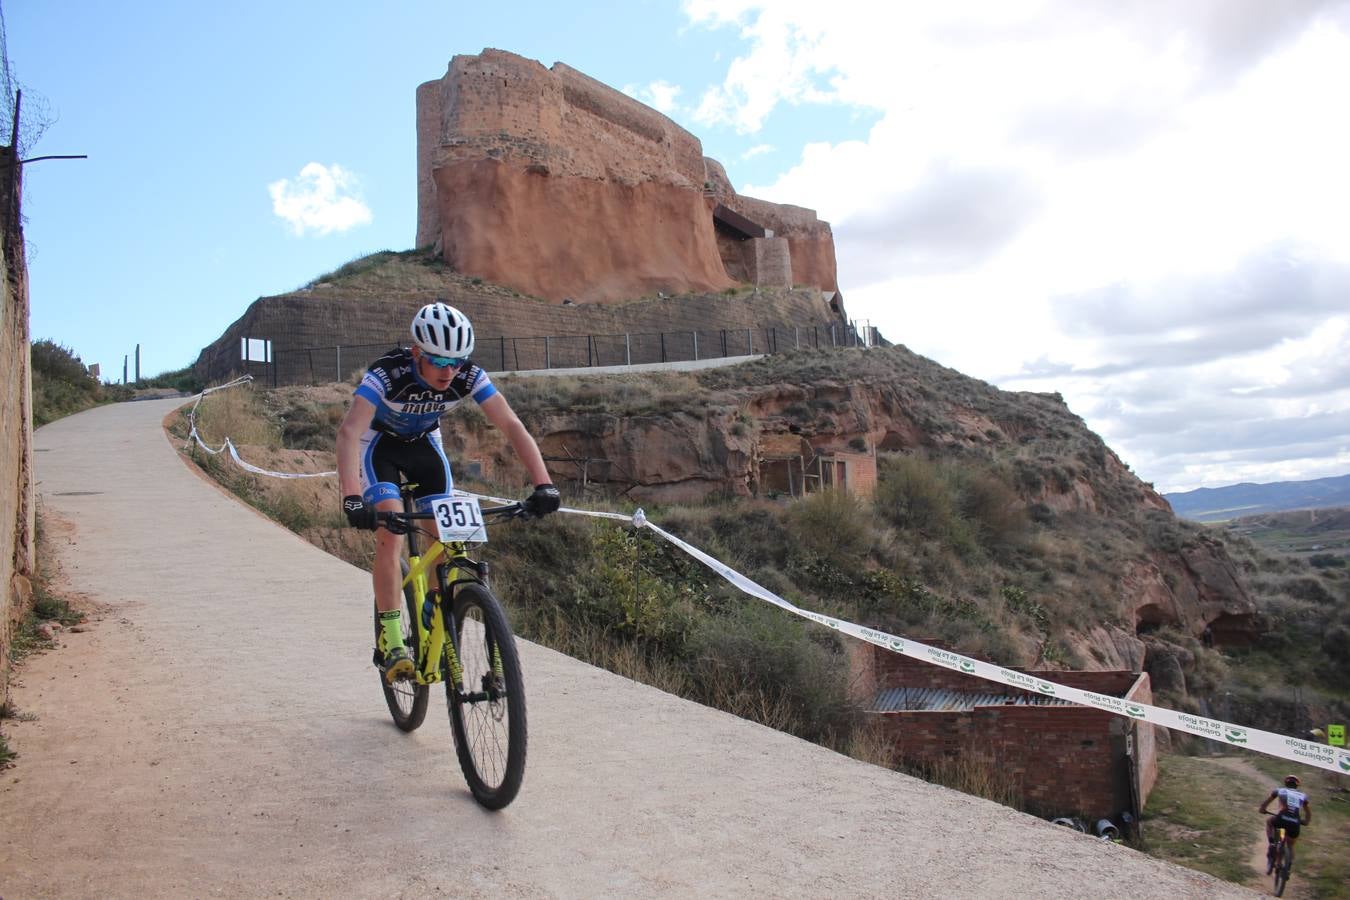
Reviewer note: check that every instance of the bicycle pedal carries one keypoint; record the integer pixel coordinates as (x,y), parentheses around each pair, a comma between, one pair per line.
(403,670)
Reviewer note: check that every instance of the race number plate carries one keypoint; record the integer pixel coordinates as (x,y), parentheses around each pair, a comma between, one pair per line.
(459,519)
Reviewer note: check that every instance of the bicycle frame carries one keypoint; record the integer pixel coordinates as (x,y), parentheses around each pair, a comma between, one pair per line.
(433,629)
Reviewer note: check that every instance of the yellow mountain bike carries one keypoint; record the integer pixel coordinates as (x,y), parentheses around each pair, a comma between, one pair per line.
(1280,861)
(459,635)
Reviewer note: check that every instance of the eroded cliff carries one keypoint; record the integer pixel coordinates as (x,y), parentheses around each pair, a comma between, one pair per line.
(1101,532)
(554,184)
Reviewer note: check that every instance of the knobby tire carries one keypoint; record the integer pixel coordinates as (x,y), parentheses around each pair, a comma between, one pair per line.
(490,734)
(407,700)
(1282,865)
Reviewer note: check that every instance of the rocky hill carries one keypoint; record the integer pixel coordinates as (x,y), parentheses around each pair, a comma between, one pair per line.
(1091,535)
(994,521)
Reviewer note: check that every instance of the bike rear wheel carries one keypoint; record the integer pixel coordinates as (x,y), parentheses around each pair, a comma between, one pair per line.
(407,700)
(487,709)
(1282,864)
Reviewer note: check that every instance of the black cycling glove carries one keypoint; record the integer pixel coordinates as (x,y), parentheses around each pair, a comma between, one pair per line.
(358,514)
(543,501)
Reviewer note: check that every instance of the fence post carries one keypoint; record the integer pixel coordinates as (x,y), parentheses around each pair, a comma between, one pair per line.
(663,346)
(724,343)
(548,360)
(749,341)
(796,337)
(627,350)
(695,334)
(339,362)
(589,341)
(832,343)
(313,379)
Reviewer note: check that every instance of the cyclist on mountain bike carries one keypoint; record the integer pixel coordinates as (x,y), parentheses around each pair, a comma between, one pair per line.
(393,427)
(1294,811)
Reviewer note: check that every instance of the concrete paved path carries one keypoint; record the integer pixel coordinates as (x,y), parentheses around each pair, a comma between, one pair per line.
(219,731)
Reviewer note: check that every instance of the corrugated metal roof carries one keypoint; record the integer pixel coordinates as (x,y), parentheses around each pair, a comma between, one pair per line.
(903,699)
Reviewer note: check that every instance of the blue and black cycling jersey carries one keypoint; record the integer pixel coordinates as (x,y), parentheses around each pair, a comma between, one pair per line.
(408,407)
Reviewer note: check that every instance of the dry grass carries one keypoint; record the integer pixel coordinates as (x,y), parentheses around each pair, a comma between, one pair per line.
(238,414)
(972,774)
(598,646)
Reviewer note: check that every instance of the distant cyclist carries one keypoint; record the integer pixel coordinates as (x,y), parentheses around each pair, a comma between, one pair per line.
(1294,812)
(393,428)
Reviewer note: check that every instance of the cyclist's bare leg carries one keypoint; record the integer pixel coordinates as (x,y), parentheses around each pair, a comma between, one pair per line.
(387,578)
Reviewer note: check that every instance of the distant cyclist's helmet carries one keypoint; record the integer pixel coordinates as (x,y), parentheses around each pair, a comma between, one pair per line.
(1291,781)
(442,330)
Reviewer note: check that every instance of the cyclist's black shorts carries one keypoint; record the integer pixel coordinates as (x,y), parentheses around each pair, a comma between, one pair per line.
(1290,826)
(420,461)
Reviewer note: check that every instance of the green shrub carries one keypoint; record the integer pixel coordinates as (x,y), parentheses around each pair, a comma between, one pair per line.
(913,494)
(990,507)
(757,655)
(61,383)
(832,523)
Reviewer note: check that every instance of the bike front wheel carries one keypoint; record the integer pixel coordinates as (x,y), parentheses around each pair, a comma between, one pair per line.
(407,700)
(487,706)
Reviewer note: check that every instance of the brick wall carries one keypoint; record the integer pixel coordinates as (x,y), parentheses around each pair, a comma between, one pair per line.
(1145,741)
(16,451)
(1064,759)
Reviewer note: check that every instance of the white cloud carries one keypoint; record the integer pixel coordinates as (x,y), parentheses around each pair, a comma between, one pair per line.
(757,150)
(659,95)
(322,199)
(1106,189)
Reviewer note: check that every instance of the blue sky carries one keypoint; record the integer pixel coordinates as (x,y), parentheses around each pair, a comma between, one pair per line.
(1143,207)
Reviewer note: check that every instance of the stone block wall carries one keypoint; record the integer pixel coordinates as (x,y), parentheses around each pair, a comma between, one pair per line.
(305,326)
(17,509)
(810,239)
(769,262)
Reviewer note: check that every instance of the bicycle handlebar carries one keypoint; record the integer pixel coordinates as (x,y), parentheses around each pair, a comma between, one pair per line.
(401,522)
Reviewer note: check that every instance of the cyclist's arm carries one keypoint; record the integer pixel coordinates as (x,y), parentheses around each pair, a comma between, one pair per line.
(1273,795)
(1306,810)
(500,414)
(354,424)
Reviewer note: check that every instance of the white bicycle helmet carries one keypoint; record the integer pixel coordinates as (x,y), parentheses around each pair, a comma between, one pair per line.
(442,330)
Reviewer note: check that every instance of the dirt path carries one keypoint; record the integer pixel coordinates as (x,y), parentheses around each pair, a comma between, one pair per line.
(219,731)
(1256,859)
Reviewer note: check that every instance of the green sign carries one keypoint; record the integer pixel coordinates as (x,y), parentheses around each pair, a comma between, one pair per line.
(1336,735)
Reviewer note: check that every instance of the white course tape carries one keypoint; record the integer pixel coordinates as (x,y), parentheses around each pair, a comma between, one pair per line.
(194,435)
(1309,753)
(1325,757)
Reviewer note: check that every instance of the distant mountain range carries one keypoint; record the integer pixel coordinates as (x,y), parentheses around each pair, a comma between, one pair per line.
(1218,504)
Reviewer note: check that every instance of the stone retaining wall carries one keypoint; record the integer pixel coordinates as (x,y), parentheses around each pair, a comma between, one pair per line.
(17,525)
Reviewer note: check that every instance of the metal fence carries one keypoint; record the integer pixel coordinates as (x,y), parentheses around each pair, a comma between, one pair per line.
(317,365)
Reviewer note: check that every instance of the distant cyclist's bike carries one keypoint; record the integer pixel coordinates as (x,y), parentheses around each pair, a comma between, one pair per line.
(459,635)
(1281,861)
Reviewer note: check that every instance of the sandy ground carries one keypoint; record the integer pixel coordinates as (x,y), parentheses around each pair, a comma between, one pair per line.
(219,731)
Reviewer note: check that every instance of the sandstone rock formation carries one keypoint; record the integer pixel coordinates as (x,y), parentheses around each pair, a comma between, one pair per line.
(726,442)
(556,185)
